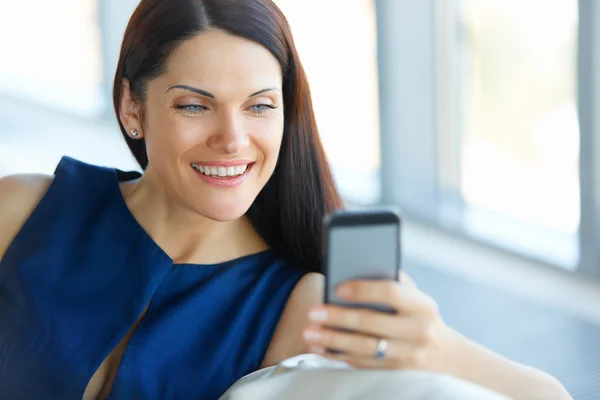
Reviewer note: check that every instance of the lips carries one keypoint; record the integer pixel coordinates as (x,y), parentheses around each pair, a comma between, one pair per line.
(223,176)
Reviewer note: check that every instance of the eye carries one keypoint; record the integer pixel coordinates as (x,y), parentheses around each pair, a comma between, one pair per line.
(191,108)
(262,109)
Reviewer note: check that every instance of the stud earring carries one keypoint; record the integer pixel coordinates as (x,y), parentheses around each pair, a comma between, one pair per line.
(134,133)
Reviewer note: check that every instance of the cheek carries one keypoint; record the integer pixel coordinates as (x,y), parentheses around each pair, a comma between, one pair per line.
(269,141)
(171,135)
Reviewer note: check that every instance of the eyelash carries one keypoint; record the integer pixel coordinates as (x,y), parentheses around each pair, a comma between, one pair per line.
(199,109)
(188,110)
(264,112)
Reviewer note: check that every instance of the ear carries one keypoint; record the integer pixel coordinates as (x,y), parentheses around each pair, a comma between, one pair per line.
(130,110)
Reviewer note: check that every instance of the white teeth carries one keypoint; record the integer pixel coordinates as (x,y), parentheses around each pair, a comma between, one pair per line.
(221,171)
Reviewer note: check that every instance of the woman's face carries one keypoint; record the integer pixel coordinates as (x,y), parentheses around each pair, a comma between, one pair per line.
(213,123)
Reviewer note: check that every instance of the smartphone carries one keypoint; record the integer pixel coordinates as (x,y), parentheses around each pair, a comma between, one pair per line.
(361,244)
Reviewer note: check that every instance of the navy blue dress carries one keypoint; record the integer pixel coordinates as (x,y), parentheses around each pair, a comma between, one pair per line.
(81,272)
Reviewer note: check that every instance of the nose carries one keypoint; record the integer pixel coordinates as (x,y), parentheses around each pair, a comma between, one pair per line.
(230,136)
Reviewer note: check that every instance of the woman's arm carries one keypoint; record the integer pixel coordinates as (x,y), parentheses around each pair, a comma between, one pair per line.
(477,364)
(19,195)
(287,340)
(433,346)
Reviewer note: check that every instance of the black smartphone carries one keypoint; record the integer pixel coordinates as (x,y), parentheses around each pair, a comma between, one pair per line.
(361,244)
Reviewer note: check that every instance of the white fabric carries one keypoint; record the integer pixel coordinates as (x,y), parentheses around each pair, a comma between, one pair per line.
(311,377)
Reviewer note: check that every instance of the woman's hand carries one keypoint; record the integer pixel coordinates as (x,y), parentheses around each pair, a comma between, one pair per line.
(413,338)
(417,338)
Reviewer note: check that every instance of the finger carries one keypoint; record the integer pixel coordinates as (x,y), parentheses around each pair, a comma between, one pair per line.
(407,280)
(361,351)
(370,322)
(409,360)
(358,362)
(405,299)
(347,342)
(358,346)
(360,320)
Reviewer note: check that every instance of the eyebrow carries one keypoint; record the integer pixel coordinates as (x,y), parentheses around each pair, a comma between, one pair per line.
(212,96)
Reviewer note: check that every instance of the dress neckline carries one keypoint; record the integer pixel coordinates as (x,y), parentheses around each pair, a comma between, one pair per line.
(132,221)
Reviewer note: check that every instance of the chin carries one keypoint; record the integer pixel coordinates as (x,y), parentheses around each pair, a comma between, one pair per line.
(222,212)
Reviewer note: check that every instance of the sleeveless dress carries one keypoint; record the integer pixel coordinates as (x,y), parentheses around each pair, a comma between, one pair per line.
(81,272)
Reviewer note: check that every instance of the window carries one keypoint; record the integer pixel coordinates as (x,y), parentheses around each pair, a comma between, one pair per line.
(51,54)
(487,110)
(520,148)
(517,130)
(340,59)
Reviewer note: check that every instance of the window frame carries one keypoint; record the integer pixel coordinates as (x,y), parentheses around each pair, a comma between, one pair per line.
(424,184)
(407,126)
(589,114)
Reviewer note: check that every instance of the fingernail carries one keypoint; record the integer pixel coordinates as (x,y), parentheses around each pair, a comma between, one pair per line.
(312,335)
(317,350)
(318,315)
(345,291)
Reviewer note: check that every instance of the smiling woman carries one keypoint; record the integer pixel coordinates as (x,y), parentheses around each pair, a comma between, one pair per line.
(245,100)
(192,271)
(176,282)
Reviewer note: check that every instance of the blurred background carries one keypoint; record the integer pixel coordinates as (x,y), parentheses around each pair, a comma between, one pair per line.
(476,117)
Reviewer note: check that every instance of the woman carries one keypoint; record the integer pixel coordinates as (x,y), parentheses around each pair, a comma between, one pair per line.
(175,283)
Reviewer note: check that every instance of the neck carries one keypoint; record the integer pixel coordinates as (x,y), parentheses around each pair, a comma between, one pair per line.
(186,236)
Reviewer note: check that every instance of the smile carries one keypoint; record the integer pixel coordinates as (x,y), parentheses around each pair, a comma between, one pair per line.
(221,172)
(223,176)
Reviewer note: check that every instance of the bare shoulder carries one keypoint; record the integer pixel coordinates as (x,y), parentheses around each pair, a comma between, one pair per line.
(287,341)
(19,195)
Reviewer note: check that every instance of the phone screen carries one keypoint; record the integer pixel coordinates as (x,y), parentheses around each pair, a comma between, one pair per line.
(361,252)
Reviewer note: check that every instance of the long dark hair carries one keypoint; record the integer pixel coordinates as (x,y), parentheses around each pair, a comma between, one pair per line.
(288,212)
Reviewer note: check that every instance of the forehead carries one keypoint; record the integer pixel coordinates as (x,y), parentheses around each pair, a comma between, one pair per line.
(219,60)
